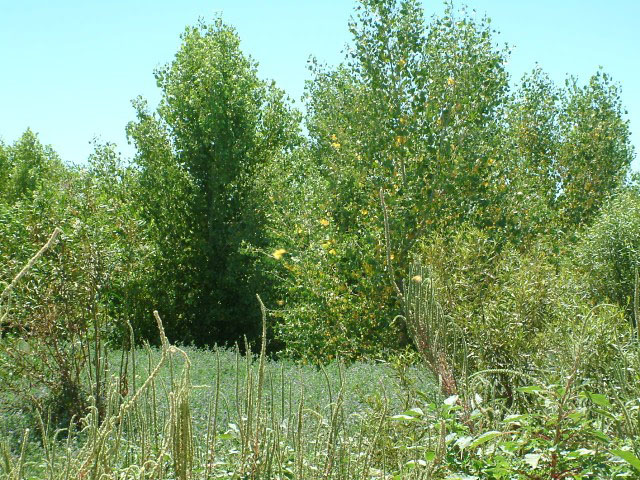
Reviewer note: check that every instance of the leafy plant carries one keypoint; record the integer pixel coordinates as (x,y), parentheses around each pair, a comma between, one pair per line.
(59,319)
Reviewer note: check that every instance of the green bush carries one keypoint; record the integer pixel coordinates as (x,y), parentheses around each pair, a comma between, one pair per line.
(332,296)
(609,250)
(58,318)
(519,311)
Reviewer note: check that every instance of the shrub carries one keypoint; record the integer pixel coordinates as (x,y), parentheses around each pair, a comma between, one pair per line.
(57,320)
(332,295)
(517,310)
(609,250)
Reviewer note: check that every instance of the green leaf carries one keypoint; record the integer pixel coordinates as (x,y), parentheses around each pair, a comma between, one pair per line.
(415,412)
(464,442)
(451,400)
(532,459)
(581,452)
(600,436)
(404,417)
(514,418)
(628,457)
(411,464)
(530,389)
(598,399)
(484,438)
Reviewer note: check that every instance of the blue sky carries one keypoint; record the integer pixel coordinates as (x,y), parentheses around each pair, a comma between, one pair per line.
(69,68)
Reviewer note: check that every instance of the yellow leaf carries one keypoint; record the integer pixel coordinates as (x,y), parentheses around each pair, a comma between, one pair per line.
(278,253)
(400,140)
(332,251)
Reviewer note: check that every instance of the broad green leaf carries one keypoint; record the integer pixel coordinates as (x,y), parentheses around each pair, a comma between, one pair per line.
(599,399)
(628,457)
(484,438)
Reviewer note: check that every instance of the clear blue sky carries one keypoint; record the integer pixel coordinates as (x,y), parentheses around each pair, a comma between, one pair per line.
(69,68)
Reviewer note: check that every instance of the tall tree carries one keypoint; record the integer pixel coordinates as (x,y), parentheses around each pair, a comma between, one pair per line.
(596,153)
(422,112)
(216,124)
(570,151)
(414,110)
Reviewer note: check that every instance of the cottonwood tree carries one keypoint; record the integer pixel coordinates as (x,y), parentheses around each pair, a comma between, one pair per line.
(415,111)
(423,111)
(216,125)
(595,153)
(25,165)
(570,151)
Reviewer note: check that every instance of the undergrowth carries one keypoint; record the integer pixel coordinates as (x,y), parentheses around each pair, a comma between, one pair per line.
(184,413)
(193,413)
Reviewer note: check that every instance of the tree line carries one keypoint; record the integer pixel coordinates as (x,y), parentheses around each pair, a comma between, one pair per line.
(418,147)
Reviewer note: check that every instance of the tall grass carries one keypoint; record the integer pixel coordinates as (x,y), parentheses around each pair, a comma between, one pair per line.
(271,427)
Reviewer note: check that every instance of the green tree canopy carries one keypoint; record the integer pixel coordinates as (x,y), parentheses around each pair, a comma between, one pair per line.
(217,124)
(422,111)
(25,165)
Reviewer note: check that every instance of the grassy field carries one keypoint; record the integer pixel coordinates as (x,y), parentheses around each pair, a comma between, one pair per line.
(227,416)
(198,414)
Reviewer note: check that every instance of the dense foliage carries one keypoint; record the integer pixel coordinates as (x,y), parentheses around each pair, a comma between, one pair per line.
(422,114)
(217,124)
(226,199)
(432,209)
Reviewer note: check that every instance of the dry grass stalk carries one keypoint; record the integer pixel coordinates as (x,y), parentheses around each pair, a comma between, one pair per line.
(4,296)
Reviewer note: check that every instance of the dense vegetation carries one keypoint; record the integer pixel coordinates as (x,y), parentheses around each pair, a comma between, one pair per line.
(425,210)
